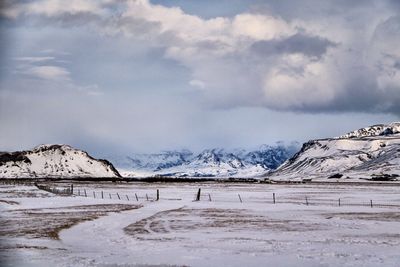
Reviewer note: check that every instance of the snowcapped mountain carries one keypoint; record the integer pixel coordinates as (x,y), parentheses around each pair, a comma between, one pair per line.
(375,130)
(166,159)
(215,162)
(372,152)
(148,164)
(209,163)
(270,157)
(53,161)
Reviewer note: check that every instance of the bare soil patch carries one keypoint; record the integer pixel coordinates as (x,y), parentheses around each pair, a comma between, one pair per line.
(370,216)
(9,202)
(47,223)
(229,220)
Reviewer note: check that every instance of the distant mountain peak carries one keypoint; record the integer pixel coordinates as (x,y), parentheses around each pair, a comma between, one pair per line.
(216,162)
(374,130)
(52,146)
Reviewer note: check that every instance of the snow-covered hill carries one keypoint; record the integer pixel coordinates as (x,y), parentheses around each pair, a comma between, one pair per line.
(53,161)
(371,153)
(209,163)
(375,130)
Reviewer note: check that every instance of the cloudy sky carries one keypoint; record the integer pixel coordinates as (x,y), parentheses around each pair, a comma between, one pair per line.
(120,76)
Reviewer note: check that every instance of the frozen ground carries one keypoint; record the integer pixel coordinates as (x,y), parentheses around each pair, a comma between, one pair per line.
(42,229)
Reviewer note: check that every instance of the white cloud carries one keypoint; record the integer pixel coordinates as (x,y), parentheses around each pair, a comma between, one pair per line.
(312,87)
(43,67)
(95,93)
(53,73)
(90,90)
(51,8)
(260,27)
(34,59)
(198,84)
(284,74)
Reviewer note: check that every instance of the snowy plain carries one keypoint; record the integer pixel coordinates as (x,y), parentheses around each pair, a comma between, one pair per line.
(219,230)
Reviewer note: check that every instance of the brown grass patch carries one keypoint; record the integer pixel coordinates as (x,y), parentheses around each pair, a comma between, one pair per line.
(369,216)
(9,202)
(47,223)
(229,220)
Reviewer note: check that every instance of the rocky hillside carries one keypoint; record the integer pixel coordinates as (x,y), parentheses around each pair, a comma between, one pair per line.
(56,161)
(368,153)
(375,130)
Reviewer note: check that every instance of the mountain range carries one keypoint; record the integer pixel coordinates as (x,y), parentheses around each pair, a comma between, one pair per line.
(216,162)
(371,153)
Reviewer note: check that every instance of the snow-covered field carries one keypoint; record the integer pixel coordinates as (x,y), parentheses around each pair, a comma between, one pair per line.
(42,229)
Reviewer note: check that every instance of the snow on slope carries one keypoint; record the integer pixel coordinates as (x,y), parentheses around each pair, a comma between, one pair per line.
(144,165)
(53,161)
(375,130)
(366,153)
(209,163)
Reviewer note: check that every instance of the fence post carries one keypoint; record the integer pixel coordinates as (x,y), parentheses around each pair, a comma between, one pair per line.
(118,196)
(110,195)
(72,189)
(79,192)
(85,192)
(273,197)
(198,195)
(306,201)
(209,197)
(240,198)
(137,199)
(127,197)
(371,203)
(339,202)
(94,194)
(147,197)
(158,195)
(102,196)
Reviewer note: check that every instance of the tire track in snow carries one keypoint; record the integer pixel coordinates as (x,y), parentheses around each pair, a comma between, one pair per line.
(105,237)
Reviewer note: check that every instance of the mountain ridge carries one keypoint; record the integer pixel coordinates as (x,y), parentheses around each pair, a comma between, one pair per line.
(214,162)
(371,153)
(54,161)
(373,130)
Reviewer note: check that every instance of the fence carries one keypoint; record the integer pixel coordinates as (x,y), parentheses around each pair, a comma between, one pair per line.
(115,195)
(201,196)
(306,200)
(56,190)
(271,198)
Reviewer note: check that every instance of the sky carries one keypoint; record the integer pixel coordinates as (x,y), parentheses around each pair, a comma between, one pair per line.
(138,76)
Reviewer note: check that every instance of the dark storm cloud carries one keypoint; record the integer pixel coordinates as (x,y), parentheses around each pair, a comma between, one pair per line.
(394,4)
(397,64)
(313,8)
(331,36)
(158,77)
(312,46)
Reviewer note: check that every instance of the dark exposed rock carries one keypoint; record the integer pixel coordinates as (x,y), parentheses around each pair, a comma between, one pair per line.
(13,157)
(336,176)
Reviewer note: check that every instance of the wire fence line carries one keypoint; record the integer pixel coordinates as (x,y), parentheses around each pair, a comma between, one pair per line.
(269,198)
(56,190)
(201,196)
